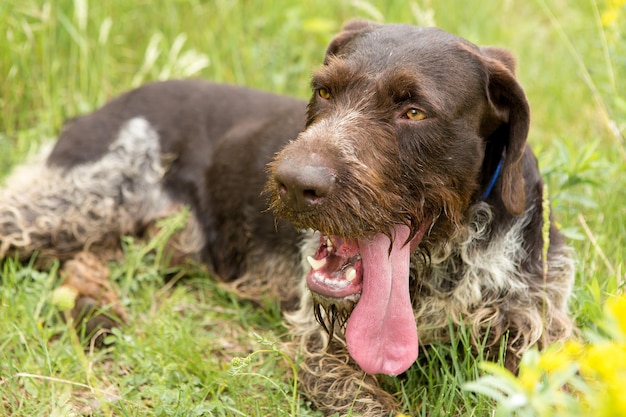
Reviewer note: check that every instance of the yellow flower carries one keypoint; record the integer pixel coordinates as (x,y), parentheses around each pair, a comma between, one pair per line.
(559,357)
(609,17)
(616,4)
(604,362)
(612,12)
(616,308)
(529,377)
(604,400)
(529,371)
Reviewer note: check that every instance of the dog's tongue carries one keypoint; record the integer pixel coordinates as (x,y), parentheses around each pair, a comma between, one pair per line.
(381,333)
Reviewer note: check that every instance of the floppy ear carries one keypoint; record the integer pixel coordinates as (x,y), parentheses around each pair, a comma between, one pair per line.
(348,31)
(509,108)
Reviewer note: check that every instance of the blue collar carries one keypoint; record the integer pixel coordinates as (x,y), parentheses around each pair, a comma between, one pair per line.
(493,180)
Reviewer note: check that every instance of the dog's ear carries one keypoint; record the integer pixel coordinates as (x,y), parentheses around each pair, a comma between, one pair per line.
(348,31)
(504,56)
(510,110)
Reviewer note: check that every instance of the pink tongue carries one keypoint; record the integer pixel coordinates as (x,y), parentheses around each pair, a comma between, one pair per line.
(381,332)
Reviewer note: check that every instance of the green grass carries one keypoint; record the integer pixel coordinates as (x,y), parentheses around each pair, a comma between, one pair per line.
(61,58)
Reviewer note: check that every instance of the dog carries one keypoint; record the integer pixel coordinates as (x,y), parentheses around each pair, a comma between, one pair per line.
(403,199)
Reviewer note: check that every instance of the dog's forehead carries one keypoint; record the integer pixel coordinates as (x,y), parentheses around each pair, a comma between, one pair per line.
(428,49)
(401,59)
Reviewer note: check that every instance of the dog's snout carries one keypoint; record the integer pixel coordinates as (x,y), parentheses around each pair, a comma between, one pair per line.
(302,187)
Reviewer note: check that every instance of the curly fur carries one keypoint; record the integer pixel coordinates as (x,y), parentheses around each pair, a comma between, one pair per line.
(492,289)
(58,212)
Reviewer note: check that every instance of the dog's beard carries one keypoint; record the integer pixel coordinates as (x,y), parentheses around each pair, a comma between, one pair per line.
(332,314)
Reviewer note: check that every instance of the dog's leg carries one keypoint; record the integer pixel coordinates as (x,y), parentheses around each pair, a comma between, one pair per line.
(96,302)
(65,215)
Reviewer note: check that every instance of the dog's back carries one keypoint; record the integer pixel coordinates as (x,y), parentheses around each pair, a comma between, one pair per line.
(144,155)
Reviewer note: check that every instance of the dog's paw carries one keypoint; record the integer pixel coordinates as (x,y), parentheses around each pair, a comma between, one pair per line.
(88,295)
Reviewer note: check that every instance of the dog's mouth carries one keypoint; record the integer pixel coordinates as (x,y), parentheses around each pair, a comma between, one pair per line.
(373,273)
(336,269)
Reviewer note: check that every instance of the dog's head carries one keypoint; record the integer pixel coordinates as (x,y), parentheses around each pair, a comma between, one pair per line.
(407,128)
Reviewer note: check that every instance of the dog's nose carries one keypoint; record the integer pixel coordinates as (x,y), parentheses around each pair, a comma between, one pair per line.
(302,187)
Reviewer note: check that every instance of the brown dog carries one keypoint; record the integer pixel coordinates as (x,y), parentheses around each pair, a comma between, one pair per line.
(417,203)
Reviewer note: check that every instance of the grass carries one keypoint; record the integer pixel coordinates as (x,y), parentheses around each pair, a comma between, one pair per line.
(63,57)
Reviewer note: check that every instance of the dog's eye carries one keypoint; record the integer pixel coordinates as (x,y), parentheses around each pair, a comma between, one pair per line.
(415,114)
(323,93)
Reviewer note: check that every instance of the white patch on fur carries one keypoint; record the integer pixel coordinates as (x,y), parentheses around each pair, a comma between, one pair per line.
(337,131)
(80,205)
(133,167)
(495,267)
(492,282)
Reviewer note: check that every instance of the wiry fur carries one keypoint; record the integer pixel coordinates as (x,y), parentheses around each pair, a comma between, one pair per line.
(477,262)
(58,212)
(484,297)
(467,284)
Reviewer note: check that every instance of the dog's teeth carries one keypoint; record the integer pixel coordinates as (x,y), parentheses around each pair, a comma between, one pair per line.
(329,243)
(350,274)
(316,264)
